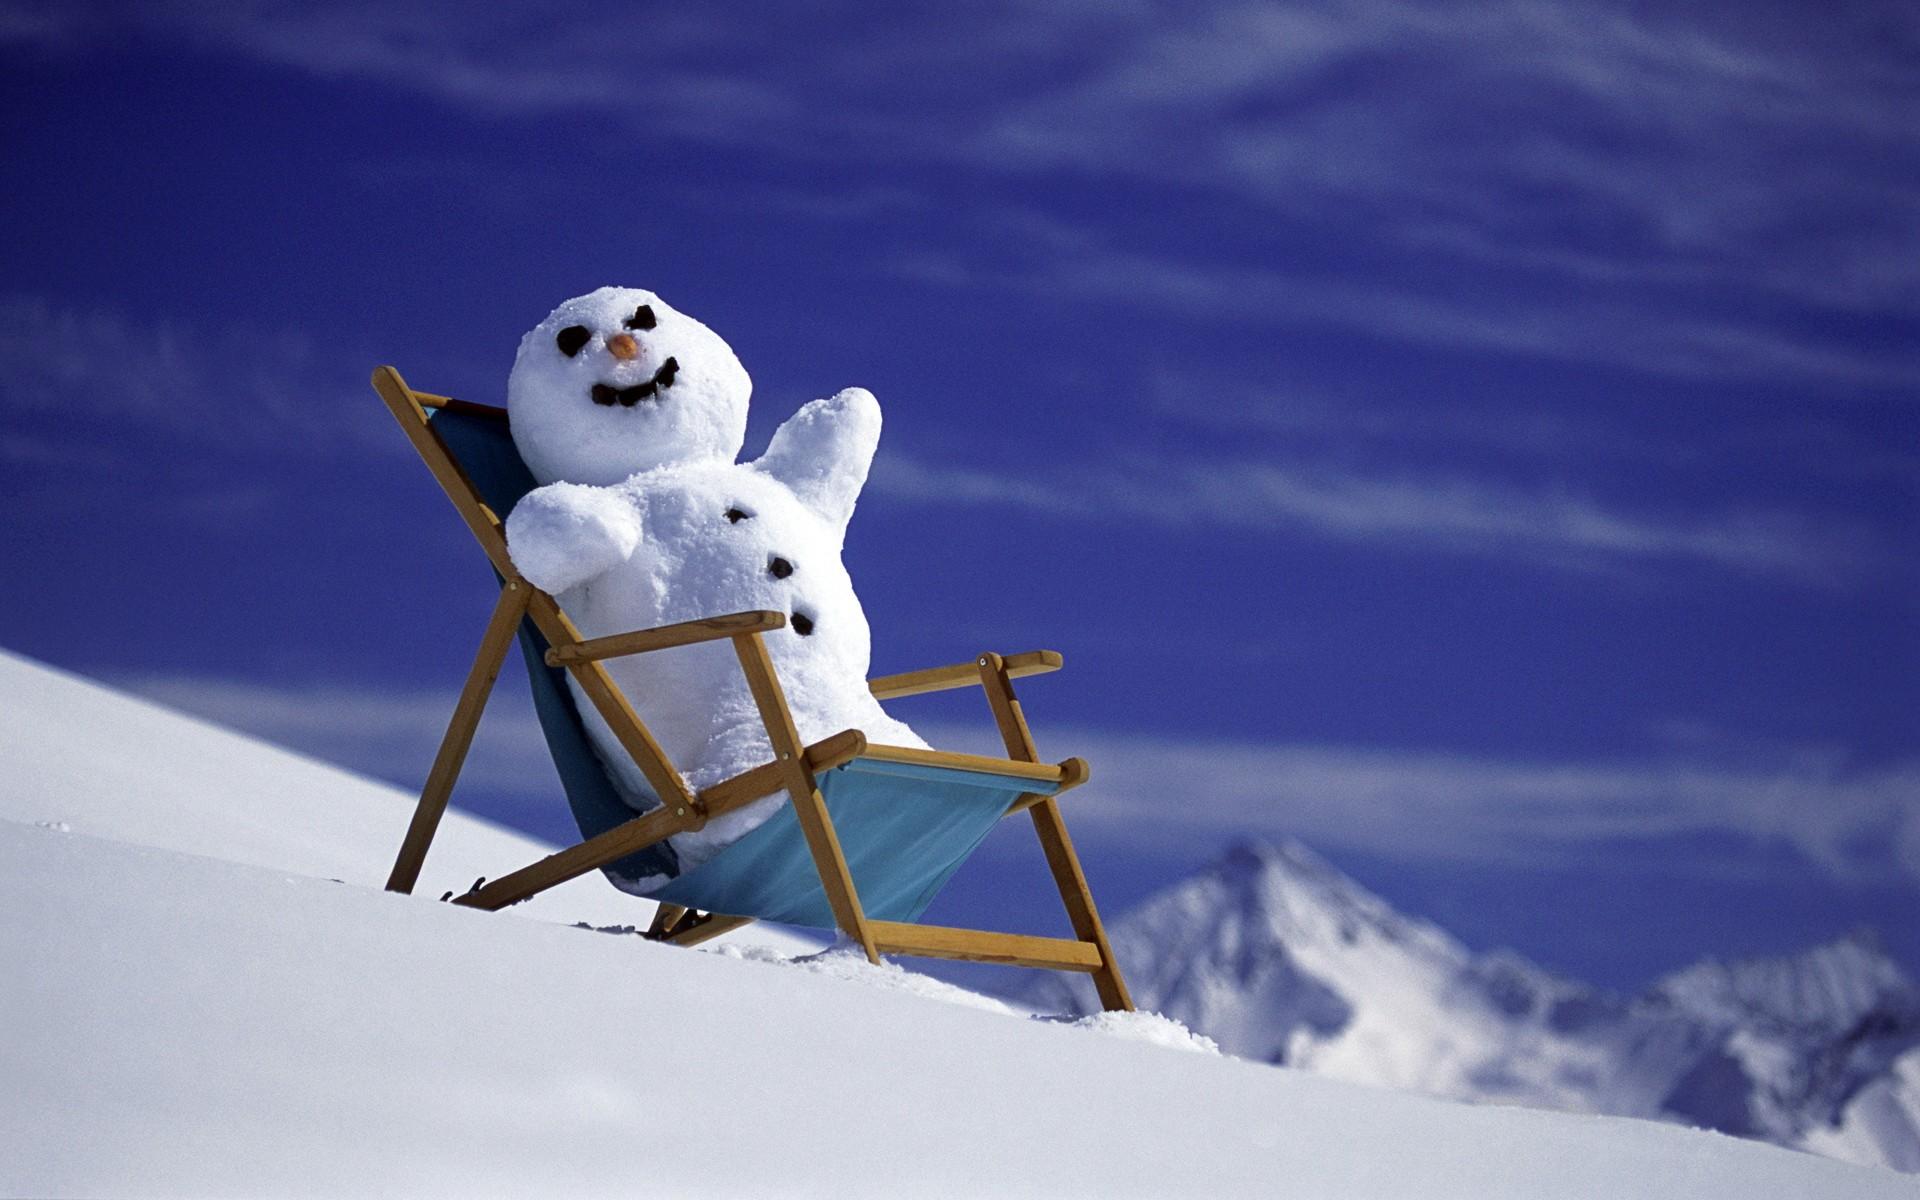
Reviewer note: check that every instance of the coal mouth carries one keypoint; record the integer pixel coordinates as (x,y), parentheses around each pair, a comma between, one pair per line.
(606,394)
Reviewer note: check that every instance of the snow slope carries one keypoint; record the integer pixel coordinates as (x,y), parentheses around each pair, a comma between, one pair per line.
(175,1025)
(1282,958)
(79,756)
(256,1017)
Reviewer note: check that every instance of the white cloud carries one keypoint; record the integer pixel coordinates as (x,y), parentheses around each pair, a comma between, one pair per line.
(1690,135)
(1553,528)
(53,356)
(34,24)
(1192,794)
(386,732)
(1587,147)
(1615,328)
(1150,790)
(233,386)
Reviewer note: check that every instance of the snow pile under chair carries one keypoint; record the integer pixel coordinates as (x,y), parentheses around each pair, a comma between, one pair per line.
(630,415)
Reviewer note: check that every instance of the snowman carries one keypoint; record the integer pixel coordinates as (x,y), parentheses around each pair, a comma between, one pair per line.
(645,519)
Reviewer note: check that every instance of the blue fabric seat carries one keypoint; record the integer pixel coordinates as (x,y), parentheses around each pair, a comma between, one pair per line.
(904,828)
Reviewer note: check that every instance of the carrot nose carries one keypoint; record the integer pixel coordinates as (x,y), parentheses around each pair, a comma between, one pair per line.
(623,347)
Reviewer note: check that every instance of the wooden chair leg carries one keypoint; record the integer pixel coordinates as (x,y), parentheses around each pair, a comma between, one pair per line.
(688,927)
(706,927)
(664,919)
(808,806)
(507,612)
(578,859)
(1054,842)
(1078,898)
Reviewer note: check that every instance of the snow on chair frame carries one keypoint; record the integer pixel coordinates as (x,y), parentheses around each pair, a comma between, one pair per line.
(872,832)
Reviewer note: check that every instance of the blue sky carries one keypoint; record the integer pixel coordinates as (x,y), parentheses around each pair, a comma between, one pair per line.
(1479,442)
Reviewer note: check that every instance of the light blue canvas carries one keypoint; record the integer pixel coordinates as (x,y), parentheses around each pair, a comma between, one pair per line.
(904,828)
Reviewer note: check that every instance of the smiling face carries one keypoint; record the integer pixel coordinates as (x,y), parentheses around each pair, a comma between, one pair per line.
(618,381)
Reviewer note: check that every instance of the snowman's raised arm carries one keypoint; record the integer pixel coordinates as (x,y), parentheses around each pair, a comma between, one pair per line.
(566,534)
(823,452)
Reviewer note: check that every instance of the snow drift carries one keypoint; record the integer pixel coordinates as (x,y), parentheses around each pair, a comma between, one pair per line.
(209,1024)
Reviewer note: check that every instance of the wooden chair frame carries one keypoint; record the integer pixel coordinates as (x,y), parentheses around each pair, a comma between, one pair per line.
(793,769)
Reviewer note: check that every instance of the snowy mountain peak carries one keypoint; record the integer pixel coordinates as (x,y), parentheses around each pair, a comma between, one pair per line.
(1290,865)
(1296,898)
(1257,854)
(1824,991)
(1278,956)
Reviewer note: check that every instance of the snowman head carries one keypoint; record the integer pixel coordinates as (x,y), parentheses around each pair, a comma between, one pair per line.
(618,381)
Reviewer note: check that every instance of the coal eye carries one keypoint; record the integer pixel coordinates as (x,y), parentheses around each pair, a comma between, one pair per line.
(735,516)
(802,624)
(779,568)
(572,338)
(642,318)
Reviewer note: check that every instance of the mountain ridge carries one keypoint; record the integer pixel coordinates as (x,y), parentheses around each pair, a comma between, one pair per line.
(1279,956)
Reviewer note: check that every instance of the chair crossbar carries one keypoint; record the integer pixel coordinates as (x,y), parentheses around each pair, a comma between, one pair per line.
(664,822)
(979,945)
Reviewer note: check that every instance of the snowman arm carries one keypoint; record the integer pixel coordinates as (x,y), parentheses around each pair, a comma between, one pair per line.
(822,452)
(566,534)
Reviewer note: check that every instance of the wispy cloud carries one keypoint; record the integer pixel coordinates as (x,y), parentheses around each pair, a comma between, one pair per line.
(52,356)
(33,23)
(69,368)
(1643,136)
(1624,161)
(1415,806)
(386,732)
(1624,331)
(1297,409)
(1553,528)
(1411,805)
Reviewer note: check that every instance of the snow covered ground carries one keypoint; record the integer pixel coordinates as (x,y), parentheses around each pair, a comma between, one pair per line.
(78,756)
(238,1020)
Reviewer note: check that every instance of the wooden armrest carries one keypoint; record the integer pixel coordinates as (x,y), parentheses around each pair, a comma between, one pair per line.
(1071,773)
(686,633)
(768,778)
(940,679)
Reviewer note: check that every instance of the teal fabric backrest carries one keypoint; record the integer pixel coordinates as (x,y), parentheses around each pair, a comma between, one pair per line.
(484,449)
(904,829)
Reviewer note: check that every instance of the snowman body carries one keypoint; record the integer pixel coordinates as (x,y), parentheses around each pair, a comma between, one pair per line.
(689,533)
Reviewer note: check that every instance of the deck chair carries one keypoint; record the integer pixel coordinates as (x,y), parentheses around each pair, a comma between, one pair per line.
(871,832)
